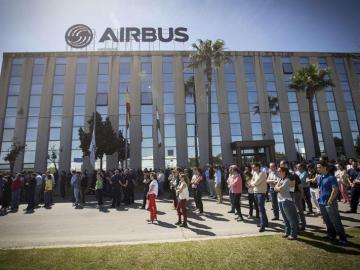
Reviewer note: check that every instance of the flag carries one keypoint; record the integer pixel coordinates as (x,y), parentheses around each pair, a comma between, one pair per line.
(128,116)
(158,128)
(92,148)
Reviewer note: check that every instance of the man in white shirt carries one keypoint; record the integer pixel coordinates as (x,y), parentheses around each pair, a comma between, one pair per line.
(218,184)
(272,180)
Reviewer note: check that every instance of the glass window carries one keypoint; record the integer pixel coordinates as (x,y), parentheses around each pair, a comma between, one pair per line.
(54,134)
(78,121)
(29,157)
(102,99)
(103,69)
(287,68)
(147,131)
(79,100)
(102,87)
(10,122)
(16,70)
(12,101)
(35,101)
(31,134)
(14,89)
(168,98)
(146,119)
(146,98)
(60,69)
(169,118)
(55,121)
(146,68)
(8,135)
(79,110)
(11,112)
(57,100)
(32,121)
(124,68)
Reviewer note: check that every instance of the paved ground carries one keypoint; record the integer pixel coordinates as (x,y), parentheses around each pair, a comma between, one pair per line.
(65,226)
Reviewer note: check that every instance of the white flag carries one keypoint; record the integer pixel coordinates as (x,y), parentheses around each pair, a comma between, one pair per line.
(92,148)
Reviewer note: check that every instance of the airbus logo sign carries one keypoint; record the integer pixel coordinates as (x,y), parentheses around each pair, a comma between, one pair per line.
(79,35)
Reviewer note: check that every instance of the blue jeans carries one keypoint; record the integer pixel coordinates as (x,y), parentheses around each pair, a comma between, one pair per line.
(274,202)
(331,216)
(288,211)
(15,199)
(77,195)
(260,197)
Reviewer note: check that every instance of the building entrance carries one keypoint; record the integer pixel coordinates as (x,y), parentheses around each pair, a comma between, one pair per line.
(247,152)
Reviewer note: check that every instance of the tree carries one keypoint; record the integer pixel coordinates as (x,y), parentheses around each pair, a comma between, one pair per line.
(311,79)
(14,151)
(208,55)
(121,150)
(189,87)
(107,142)
(53,156)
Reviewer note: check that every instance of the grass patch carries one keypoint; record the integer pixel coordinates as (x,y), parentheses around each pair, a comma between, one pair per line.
(263,252)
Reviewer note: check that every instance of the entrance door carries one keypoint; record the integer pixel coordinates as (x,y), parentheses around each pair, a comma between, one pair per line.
(248,152)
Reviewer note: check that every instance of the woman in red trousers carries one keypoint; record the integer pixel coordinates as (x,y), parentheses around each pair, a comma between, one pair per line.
(151,195)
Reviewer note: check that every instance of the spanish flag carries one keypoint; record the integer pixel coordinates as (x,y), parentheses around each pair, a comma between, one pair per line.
(128,115)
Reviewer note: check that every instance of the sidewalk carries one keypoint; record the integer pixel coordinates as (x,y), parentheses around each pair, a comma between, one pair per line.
(65,226)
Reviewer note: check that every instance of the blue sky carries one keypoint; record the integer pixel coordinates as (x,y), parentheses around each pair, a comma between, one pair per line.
(250,25)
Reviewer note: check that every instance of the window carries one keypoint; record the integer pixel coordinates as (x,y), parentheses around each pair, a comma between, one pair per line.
(57,100)
(146,99)
(102,100)
(287,68)
(103,69)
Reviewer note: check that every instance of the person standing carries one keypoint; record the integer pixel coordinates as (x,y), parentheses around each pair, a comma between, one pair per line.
(354,178)
(183,193)
(251,196)
(116,189)
(161,181)
(99,185)
(38,189)
(314,190)
(272,181)
(235,182)
(258,182)
(48,191)
(75,182)
(146,183)
(328,204)
(83,185)
(211,182)
(16,186)
(174,182)
(196,183)
(6,194)
(343,181)
(30,187)
(152,194)
(303,175)
(124,183)
(130,187)
(218,183)
(286,204)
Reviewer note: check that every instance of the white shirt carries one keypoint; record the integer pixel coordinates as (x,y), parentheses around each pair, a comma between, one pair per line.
(154,187)
(218,177)
(184,194)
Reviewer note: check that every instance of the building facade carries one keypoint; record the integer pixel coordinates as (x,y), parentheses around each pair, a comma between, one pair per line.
(46,97)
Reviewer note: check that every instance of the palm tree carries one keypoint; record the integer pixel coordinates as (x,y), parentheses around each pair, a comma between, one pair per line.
(208,54)
(189,86)
(311,79)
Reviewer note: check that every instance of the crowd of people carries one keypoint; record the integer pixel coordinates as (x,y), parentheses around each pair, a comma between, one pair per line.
(291,190)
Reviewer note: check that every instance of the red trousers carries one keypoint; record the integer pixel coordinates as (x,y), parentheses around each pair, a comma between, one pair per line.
(152,206)
(181,210)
